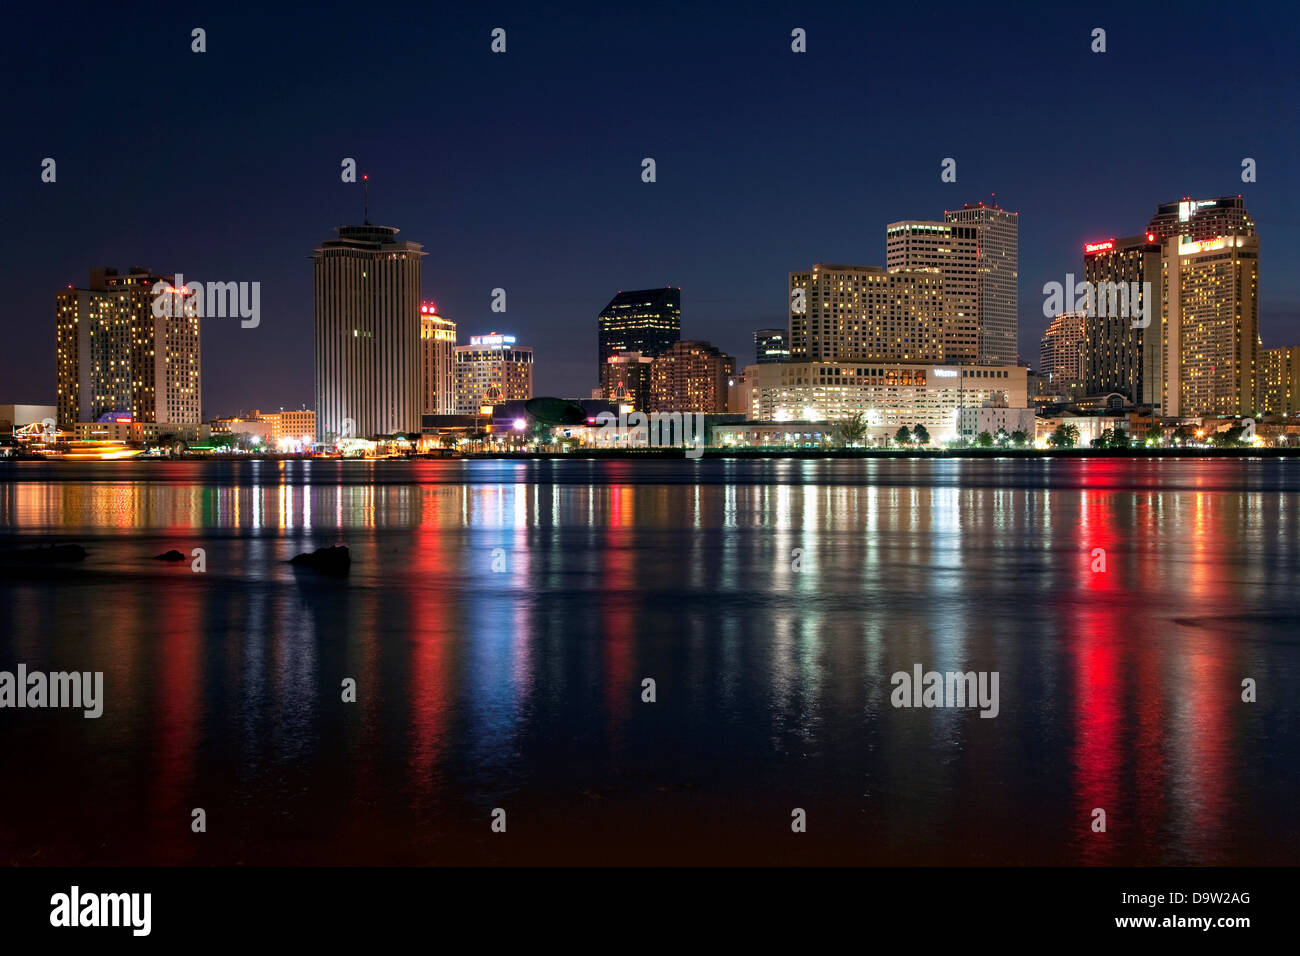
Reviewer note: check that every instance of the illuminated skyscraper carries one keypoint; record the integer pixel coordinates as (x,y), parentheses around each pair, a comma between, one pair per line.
(645,321)
(847,313)
(1198,219)
(438,359)
(997,238)
(114,354)
(1123,333)
(952,251)
(1211,335)
(369,374)
(490,370)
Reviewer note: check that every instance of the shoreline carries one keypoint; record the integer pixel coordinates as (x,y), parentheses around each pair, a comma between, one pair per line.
(656,454)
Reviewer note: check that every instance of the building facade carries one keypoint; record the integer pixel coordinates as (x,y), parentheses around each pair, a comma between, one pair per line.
(1200,219)
(368,358)
(1061,354)
(625,380)
(1211,331)
(853,313)
(997,238)
(888,395)
(295,423)
(1122,331)
(1279,388)
(114,354)
(438,361)
(771,345)
(952,251)
(490,370)
(643,320)
(690,376)
(971,422)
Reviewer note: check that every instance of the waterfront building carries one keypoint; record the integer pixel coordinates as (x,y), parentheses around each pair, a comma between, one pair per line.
(438,361)
(888,394)
(369,374)
(113,354)
(642,320)
(690,376)
(491,369)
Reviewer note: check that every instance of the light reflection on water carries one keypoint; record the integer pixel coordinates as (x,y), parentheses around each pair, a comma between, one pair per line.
(770,601)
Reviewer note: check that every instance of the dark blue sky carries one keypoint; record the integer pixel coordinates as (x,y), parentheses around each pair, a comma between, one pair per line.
(523,170)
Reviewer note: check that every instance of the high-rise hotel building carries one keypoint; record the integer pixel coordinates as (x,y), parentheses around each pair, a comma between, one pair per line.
(1209,306)
(1192,348)
(1198,219)
(490,370)
(645,320)
(369,377)
(952,251)
(114,354)
(997,239)
(438,361)
(845,313)
(1122,336)
(1210,300)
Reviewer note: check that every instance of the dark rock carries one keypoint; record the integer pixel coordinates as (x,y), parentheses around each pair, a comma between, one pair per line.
(172,555)
(52,554)
(325,560)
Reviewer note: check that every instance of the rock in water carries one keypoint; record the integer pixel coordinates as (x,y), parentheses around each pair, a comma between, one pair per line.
(325,560)
(172,555)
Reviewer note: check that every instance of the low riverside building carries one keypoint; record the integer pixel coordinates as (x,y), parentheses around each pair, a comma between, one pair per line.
(889,395)
(793,434)
(995,418)
(1090,427)
(121,428)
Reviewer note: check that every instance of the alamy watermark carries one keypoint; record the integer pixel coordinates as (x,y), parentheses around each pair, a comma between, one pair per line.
(652,430)
(1122,300)
(214,300)
(129,910)
(36,689)
(950,689)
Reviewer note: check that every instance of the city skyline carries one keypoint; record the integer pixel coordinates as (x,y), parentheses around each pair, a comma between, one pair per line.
(560,258)
(588,436)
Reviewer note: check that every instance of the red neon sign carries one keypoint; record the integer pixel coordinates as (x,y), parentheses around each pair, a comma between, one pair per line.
(1091,247)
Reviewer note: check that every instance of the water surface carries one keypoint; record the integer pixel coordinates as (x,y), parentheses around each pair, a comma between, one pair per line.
(500,617)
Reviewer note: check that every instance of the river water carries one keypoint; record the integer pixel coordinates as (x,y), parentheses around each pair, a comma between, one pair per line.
(501,617)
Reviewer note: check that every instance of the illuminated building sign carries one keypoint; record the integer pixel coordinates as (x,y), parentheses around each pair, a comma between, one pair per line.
(492,341)
(1187,208)
(946,372)
(1204,245)
(1090,247)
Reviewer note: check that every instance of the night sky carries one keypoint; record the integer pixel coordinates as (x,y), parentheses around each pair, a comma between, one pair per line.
(523,170)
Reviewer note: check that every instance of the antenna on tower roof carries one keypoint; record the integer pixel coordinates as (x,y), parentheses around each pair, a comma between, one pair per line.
(365,185)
